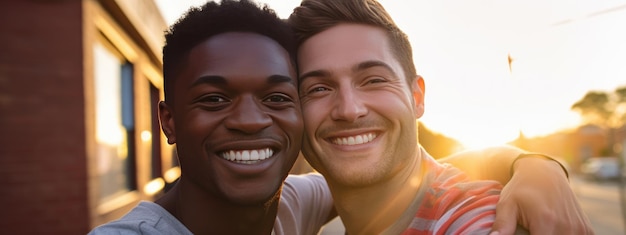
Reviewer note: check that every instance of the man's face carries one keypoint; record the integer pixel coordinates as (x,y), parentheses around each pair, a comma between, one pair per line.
(236,119)
(359,111)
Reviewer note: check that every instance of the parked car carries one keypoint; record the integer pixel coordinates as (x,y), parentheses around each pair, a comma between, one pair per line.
(601,168)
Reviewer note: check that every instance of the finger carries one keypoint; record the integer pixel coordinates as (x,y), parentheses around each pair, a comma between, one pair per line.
(547,229)
(506,219)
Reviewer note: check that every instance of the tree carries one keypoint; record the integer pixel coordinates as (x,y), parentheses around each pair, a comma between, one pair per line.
(436,144)
(603,108)
(621,106)
(593,108)
(607,110)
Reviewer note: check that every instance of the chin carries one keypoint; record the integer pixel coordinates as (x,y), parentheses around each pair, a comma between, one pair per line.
(257,198)
(355,180)
(356,176)
(260,192)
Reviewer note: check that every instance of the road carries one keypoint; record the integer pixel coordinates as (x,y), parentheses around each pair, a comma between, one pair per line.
(599,201)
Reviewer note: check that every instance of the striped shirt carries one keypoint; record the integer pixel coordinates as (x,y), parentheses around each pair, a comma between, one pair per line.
(449,203)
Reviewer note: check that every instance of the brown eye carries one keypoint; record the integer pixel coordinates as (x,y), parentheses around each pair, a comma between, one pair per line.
(277,99)
(376,80)
(213,99)
(317,89)
(212,102)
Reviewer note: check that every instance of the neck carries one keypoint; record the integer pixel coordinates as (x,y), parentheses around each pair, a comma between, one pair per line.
(386,201)
(204,213)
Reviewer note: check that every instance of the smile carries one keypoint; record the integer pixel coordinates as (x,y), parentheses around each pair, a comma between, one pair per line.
(247,156)
(354,140)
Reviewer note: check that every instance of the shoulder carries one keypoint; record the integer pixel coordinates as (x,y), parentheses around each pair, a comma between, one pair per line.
(301,187)
(145,218)
(458,204)
(305,205)
(309,178)
(450,180)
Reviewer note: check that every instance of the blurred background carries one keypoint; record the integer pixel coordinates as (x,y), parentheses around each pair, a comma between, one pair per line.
(80,80)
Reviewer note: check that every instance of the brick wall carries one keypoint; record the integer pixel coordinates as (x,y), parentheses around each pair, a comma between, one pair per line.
(43,186)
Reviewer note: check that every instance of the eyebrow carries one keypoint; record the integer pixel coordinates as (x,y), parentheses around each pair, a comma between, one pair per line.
(314,73)
(359,67)
(219,80)
(275,79)
(373,63)
(210,79)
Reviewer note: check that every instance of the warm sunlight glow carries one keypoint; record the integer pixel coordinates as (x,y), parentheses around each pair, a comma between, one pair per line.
(146,136)
(154,186)
(495,68)
(491,138)
(172,174)
(108,111)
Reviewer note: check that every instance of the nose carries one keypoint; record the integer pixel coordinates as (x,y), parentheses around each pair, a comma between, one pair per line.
(248,116)
(348,106)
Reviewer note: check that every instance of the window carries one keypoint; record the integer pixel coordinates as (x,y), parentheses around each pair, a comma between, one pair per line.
(156,169)
(114,123)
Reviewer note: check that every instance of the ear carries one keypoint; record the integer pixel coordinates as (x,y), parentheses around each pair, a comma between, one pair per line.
(418,89)
(166,116)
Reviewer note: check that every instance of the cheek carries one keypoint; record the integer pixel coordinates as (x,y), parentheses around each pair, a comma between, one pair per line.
(293,117)
(200,124)
(292,124)
(394,103)
(313,115)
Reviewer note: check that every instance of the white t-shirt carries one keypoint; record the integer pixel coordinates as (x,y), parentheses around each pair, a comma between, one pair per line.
(305,203)
(303,209)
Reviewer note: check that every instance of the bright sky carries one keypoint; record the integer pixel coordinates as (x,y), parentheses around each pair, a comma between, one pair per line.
(560,48)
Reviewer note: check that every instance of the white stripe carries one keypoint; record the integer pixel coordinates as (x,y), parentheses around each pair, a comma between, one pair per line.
(446,216)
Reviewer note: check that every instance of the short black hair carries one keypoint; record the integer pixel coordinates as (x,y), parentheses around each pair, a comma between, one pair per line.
(200,23)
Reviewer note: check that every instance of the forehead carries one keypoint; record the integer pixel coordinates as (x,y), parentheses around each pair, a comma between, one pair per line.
(236,55)
(345,45)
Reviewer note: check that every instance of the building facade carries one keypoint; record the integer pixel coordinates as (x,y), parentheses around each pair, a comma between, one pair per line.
(79,84)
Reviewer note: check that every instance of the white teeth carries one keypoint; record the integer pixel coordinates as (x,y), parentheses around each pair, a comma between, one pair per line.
(247,156)
(354,140)
(254,155)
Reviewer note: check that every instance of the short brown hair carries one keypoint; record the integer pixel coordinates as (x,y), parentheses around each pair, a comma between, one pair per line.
(315,16)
